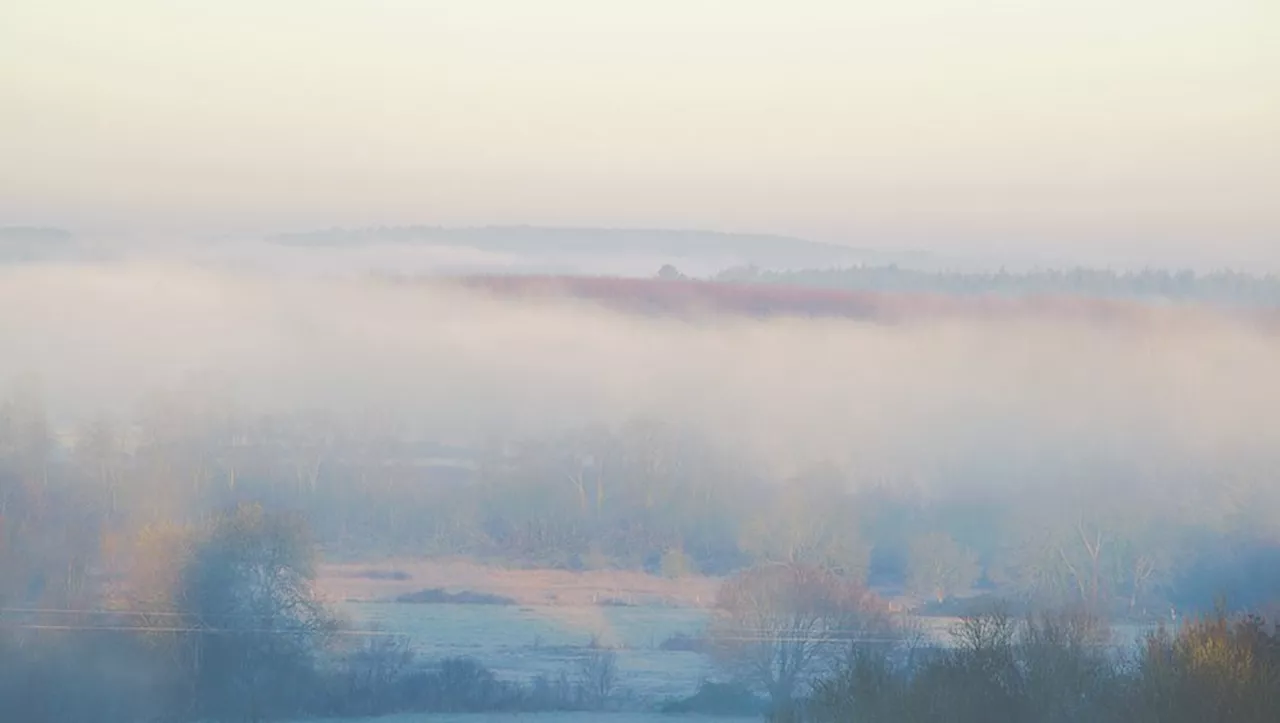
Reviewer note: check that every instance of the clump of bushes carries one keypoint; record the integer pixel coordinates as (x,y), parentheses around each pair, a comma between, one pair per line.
(1060,669)
(372,574)
(675,563)
(685,643)
(614,602)
(437,595)
(380,676)
(721,699)
(456,685)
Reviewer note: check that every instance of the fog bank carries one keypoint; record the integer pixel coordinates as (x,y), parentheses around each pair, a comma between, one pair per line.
(1032,400)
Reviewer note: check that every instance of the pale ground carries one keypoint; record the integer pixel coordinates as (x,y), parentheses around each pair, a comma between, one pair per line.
(521,643)
(554,624)
(557,617)
(340,582)
(584,717)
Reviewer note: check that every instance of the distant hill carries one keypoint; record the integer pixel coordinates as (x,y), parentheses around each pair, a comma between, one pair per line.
(581,248)
(33,243)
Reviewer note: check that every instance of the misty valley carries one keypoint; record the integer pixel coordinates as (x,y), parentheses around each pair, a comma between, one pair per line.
(230,497)
(569,361)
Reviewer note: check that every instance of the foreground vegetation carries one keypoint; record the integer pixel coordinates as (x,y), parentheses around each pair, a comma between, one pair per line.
(162,567)
(824,650)
(1057,668)
(220,621)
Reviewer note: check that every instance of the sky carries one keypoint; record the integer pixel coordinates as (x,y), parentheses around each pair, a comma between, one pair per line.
(1108,129)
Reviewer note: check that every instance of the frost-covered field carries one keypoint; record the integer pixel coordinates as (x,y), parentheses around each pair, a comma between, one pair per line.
(534,718)
(520,643)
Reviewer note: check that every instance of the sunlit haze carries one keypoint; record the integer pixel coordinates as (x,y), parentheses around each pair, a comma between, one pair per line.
(1092,130)
(589,361)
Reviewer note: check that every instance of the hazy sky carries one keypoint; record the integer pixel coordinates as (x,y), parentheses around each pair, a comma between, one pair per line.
(1135,127)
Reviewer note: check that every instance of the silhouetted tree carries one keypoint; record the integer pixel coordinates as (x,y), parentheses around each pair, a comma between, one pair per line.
(776,624)
(247,592)
(938,566)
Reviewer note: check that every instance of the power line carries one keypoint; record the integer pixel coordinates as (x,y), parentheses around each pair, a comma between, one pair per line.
(832,639)
(109,611)
(350,632)
(210,631)
(129,613)
(749,635)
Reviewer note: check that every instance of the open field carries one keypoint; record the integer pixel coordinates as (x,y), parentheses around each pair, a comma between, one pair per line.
(556,616)
(388,579)
(575,717)
(522,643)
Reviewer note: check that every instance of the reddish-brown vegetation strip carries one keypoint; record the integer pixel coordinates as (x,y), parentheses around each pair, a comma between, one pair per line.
(694,298)
(526,587)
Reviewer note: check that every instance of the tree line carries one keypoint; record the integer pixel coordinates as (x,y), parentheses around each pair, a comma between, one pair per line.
(1055,667)
(165,565)
(221,621)
(822,648)
(1219,287)
(645,495)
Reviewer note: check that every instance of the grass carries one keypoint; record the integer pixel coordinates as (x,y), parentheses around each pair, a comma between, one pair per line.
(440,596)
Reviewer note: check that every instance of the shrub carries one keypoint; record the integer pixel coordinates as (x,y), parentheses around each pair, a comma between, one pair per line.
(675,564)
(1058,668)
(724,699)
(371,574)
(371,677)
(684,642)
(437,595)
(1211,669)
(597,677)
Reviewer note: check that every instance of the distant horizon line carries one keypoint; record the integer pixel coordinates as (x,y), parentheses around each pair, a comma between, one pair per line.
(981,261)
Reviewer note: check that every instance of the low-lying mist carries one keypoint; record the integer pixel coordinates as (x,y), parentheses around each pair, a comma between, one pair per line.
(1040,399)
(180,445)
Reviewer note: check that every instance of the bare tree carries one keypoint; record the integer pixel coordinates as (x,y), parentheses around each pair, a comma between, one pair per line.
(1085,565)
(777,624)
(247,590)
(938,566)
(310,444)
(103,456)
(373,666)
(597,677)
(808,522)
